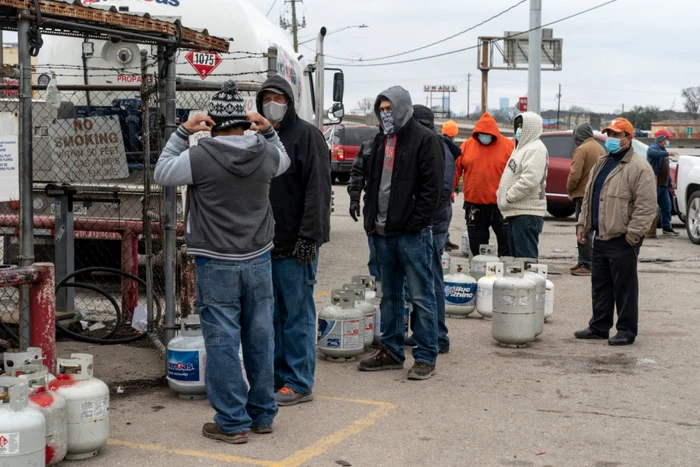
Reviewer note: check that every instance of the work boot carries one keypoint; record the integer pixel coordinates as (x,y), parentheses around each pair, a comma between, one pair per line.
(670,232)
(286,396)
(261,430)
(421,371)
(572,268)
(621,340)
(589,333)
(582,271)
(212,431)
(449,246)
(380,360)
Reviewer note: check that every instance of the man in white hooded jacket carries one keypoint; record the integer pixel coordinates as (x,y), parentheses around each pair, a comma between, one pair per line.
(521,195)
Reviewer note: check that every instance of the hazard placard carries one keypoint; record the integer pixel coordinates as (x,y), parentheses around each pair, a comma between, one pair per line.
(204,63)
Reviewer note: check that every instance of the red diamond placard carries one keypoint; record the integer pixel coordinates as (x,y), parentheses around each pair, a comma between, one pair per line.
(204,63)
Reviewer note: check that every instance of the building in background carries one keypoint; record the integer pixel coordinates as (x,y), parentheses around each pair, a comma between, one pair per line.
(681,129)
(504,103)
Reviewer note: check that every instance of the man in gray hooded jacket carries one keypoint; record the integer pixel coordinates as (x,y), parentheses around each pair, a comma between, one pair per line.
(229,230)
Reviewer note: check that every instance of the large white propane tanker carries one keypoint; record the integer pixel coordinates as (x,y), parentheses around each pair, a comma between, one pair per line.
(484,289)
(341,328)
(369,284)
(549,294)
(88,405)
(187,360)
(378,328)
(532,273)
(460,294)
(52,405)
(466,249)
(367,310)
(22,428)
(513,321)
(487,254)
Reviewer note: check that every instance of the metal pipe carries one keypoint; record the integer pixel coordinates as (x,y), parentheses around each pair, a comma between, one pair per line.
(147,230)
(484,76)
(89,225)
(86,78)
(182,85)
(535,63)
(43,309)
(320,77)
(26,197)
(170,202)
(271,62)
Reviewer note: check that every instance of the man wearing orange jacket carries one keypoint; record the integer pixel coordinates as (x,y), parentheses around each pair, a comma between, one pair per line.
(483,160)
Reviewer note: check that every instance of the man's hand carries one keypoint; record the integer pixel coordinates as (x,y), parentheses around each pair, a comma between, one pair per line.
(581,235)
(629,241)
(354,209)
(199,122)
(673,153)
(305,251)
(259,123)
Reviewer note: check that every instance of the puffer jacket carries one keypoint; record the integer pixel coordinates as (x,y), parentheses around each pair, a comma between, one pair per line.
(627,200)
(522,188)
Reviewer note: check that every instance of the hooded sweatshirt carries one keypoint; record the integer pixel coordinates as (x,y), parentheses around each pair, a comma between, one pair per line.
(483,165)
(301,198)
(227,213)
(586,154)
(522,188)
(658,157)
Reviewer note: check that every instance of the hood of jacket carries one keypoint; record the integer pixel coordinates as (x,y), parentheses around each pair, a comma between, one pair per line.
(277,83)
(486,125)
(532,128)
(582,133)
(400,104)
(239,155)
(424,115)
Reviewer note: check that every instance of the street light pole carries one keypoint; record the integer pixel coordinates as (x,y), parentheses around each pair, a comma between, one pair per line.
(535,65)
(359,26)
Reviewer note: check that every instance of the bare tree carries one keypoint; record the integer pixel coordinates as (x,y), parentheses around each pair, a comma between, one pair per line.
(365,104)
(692,100)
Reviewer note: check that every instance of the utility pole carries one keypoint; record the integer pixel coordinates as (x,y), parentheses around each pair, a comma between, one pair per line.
(294,25)
(535,62)
(558,105)
(484,76)
(623,107)
(469,83)
(2,50)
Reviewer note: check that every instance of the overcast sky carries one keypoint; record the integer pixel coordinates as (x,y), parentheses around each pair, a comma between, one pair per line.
(636,52)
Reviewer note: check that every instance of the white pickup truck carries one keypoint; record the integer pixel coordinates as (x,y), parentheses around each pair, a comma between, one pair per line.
(688,194)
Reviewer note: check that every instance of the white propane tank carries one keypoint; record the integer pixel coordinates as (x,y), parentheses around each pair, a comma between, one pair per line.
(532,273)
(88,405)
(484,289)
(460,294)
(549,294)
(369,284)
(52,405)
(341,328)
(507,259)
(513,321)
(378,329)
(466,250)
(487,254)
(446,261)
(15,358)
(367,310)
(22,428)
(187,360)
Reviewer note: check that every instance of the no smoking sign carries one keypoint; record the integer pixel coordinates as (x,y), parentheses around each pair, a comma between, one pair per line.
(204,63)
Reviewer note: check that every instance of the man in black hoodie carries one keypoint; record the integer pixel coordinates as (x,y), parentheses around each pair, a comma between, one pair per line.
(404,184)
(301,203)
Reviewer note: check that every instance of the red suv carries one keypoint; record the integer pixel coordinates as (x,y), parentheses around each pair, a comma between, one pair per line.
(344,141)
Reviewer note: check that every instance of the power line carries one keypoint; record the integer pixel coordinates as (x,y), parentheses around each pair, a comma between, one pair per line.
(441,40)
(271,7)
(464,49)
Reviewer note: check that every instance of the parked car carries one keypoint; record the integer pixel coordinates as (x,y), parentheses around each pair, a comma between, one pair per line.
(343,142)
(688,194)
(560,145)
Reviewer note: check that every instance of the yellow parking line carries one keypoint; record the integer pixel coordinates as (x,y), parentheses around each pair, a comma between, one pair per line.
(327,293)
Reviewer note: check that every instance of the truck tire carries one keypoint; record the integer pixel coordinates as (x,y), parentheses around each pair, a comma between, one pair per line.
(561,212)
(692,224)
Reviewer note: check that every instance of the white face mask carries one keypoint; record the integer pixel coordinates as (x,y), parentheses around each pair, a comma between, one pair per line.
(274,112)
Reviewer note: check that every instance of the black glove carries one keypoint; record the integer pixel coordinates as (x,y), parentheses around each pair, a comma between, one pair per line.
(305,251)
(354,209)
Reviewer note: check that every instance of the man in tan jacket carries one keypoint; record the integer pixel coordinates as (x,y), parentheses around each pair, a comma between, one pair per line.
(618,206)
(587,153)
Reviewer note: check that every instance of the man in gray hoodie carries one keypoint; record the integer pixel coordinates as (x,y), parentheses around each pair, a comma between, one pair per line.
(229,230)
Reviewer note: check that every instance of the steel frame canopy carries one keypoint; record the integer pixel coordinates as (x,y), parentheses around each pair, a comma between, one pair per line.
(73,19)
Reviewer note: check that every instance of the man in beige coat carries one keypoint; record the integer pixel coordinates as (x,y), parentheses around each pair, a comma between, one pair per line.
(618,206)
(587,153)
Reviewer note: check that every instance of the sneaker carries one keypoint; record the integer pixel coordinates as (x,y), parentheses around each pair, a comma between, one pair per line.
(287,396)
(261,430)
(380,360)
(421,371)
(582,271)
(670,232)
(212,431)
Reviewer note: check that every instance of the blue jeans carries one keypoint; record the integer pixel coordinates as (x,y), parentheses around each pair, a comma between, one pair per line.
(439,241)
(295,324)
(372,263)
(407,258)
(524,236)
(234,302)
(663,197)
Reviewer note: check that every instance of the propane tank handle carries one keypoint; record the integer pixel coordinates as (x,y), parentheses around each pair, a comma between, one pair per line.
(515,269)
(35,375)
(80,365)
(358,290)
(192,321)
(335,296)
(459,268)
(16,391)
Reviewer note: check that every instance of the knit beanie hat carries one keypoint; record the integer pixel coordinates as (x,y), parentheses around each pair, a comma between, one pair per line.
(227,108)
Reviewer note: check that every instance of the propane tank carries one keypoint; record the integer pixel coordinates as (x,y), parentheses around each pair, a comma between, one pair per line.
(52,405)
(532,273)
(15,358)
(549,294)
(460,294)
(484,289)
(369,284)
(88,405)
(446,261)
(487,254)
(367,310)
(378,328)
(187,360)
(341,328)
(513,321)
(507,259)
(22,428)
(466,250)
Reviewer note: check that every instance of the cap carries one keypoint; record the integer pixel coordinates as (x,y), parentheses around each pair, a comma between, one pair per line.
(450,128)
(619,125)
(663,133)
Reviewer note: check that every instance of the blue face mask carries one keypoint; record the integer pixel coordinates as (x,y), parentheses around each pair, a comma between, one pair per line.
(485,139)
(518,132)
(612,144)
(668,144)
